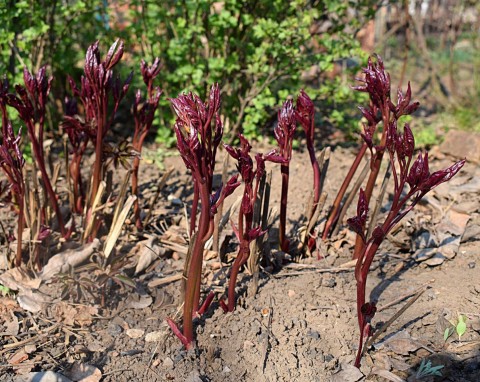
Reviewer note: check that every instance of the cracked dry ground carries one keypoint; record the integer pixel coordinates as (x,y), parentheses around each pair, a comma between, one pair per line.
(300,325)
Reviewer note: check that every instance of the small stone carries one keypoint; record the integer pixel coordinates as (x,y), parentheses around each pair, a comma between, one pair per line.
(291,293)
(168,363)
(472,264)
(461,144)
(114,329)
(135,333)
(314,334)
(329,282)
(154,336)
(226,369)
(29,349)
(175,201)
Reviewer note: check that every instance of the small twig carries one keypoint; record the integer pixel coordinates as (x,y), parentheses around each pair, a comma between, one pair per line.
(165,280)
(378,203)
(406,295)
(392,319)
(351,195)
(267,344)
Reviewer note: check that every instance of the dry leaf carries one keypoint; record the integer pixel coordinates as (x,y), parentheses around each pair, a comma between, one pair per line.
(386,374)
(61,262)
(18,280)
(399,364)
(11,326)
(349,373)
(65,313)
(32,302)
(402,343)
(147,252)
(135,301)
(85,315)
(18,357)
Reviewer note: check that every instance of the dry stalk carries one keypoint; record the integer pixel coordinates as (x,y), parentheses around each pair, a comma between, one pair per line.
(216,226)
(117,225)
(350,196)
(379,201)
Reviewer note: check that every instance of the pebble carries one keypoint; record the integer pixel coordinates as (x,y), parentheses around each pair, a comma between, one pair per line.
(314,334)
(471,265)
(114,329)
(168,363)
(135,333)
(329,282)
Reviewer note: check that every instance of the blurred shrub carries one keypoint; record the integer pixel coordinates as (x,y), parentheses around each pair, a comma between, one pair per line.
(257,50)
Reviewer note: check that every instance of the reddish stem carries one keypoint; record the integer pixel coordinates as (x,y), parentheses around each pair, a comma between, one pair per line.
(21,223)
(284,243)
(334,213)
(192,289)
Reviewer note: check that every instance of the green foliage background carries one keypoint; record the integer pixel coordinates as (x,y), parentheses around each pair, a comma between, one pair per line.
(256,49)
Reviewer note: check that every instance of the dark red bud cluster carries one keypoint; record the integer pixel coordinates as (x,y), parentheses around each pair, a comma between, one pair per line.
(377,82)
(357,223)
(305,113)
(285,129)
(149,73)
(11,159)
(404,107)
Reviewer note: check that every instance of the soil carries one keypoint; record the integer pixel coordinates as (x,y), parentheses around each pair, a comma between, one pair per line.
(301,324)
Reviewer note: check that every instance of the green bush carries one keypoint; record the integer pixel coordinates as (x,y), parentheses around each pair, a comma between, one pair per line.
(256,50)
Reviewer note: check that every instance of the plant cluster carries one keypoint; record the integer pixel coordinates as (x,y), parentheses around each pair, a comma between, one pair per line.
(412,180)
(88,119)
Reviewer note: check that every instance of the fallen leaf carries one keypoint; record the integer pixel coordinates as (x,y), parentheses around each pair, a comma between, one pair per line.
(136,301)
(18,357)
(435,260)
(32,302)
(18,280)
(147,253)
(65,313)
(11,326)
(61,262)
(386,374)
(402,343)
(349,373)
(399,364)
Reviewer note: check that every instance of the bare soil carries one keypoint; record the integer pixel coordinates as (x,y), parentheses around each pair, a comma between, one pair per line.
(301,324)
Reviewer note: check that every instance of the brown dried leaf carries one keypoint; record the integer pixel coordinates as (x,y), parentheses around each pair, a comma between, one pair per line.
(81,372)
(18,280)
(402,343)
(18,357)
(389,376)
(136,301)
(85,315)
(61,262)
